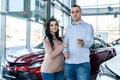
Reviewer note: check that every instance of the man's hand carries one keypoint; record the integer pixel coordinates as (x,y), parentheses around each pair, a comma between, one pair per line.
(80,42)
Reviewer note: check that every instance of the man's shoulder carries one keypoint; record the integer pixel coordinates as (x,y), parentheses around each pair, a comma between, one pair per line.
(69,27)
(86,23)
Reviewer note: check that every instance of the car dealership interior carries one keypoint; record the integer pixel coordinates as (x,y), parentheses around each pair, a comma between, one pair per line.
(22,24)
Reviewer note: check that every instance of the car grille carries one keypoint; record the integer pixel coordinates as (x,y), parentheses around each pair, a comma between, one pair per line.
(20,75)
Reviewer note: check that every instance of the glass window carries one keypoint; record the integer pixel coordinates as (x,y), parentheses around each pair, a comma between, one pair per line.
(87,3)
(17,5)
(37,33)
(17,8)
(108,4)
(38,10)
(97,44)
(112,35)
(91,20)
(58,15)
(66,21)
(104,2)
(67,3)
(60,1)
(100,3)
(0,5)
(119,41)
(108,22)
(15,34)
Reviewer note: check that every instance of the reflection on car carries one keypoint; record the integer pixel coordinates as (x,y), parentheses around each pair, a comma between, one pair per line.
(110,70)
(27,66)
(116,44)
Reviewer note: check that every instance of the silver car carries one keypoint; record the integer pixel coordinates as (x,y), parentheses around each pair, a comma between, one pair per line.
(110,70)
(116,44)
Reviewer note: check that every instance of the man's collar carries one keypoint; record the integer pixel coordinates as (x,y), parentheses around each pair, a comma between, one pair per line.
(81,22)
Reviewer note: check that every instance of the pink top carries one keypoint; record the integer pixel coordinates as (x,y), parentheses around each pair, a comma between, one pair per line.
(54,60)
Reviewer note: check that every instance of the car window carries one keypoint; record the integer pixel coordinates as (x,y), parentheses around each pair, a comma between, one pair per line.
(115,42)
(118,41)
(97,44)
(39,46)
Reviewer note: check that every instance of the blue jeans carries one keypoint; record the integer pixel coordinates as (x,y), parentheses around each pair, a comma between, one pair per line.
(77,71)
(53,76)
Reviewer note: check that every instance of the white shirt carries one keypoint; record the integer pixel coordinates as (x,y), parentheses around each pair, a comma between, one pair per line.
(78,54)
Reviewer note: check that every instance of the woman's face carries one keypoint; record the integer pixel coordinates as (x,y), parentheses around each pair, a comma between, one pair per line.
(53,27)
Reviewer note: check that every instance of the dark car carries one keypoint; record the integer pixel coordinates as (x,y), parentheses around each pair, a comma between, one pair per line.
(100,51)
(27,67)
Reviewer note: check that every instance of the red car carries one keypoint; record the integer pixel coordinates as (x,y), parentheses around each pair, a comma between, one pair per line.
(27,66)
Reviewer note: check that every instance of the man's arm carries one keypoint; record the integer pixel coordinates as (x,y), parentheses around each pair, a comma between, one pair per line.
(89,39)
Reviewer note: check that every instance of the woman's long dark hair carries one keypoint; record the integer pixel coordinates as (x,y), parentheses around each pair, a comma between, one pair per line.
(49,35)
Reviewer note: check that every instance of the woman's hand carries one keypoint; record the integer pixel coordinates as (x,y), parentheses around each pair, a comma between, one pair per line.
(65,45)
(66,55)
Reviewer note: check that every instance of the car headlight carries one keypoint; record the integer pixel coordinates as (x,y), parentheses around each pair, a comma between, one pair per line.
(34,65)
(6,65)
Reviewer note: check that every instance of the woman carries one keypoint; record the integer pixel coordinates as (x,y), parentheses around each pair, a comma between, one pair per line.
(52,67)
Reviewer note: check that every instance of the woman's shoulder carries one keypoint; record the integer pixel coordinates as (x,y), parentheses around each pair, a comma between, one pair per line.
(46,39)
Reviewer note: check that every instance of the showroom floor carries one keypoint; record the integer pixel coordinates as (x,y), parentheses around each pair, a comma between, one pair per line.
(93,77)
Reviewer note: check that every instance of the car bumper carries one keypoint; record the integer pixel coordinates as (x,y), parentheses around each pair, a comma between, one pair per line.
(20,75)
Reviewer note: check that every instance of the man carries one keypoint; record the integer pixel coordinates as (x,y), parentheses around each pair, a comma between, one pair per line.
(79,38)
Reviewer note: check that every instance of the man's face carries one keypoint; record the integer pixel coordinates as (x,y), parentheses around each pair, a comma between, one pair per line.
(76,13)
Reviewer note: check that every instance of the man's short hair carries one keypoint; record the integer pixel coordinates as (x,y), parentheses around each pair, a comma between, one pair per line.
(76,6)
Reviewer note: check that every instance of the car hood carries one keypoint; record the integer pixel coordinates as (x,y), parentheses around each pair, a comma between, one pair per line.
(26,56)
(114,65)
